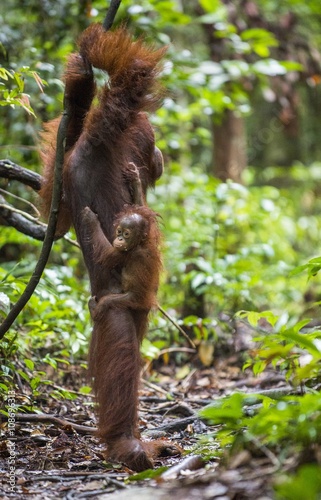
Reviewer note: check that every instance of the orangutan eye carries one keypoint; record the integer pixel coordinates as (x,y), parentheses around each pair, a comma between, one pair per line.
(126,233)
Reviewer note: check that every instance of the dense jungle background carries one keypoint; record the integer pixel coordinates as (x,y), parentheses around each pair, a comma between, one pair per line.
(240,203)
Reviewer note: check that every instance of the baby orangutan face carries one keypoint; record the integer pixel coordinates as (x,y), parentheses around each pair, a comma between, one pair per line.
(130,232)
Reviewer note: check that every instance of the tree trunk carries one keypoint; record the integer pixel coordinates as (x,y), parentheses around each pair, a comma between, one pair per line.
(229,157)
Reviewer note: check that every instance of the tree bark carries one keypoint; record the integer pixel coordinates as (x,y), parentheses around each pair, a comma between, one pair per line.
(12,171)
(229,155)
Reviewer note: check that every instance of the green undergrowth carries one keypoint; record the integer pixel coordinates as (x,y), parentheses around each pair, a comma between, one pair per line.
(249,254)
(283,425)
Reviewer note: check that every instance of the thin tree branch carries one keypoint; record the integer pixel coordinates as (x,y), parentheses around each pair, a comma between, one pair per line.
(177,326)
(51,229)
(6,206)
(56,196)
(22,200)
(111,14)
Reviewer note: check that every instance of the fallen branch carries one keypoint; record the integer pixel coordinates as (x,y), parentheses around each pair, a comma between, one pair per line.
(60,422)
(52,476)
(193,462)
(69,476)
(26,223)
(23,223)
(12,171)
(176,426)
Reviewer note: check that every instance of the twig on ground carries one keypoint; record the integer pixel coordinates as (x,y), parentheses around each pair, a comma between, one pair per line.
(268,453)
(177,425)
(155,388)
(193,462)
(60,422)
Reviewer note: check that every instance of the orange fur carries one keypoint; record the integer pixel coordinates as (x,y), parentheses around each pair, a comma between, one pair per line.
(102,139)
(120,323)
(137,269)
(104,136)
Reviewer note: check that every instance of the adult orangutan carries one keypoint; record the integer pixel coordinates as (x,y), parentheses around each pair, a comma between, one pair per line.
(131,266)
(103,138)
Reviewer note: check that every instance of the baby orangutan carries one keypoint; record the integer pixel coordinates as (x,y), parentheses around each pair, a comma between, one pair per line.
(134,257)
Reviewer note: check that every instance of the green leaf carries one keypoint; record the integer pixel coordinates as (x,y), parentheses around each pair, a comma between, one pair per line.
(305,483)
(301,340)
(148,474)
(149,350)
(34,383)
(228,409)
(85,389)
(210,5)
(29,364)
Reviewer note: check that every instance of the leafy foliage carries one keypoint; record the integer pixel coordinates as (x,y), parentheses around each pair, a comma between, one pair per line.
(289,424)
(227,247)
(53,328)
(240,250)
(280,429)
(15,96)
(305,483)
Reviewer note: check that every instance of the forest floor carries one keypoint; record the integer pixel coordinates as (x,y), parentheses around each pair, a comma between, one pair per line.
(53,460)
